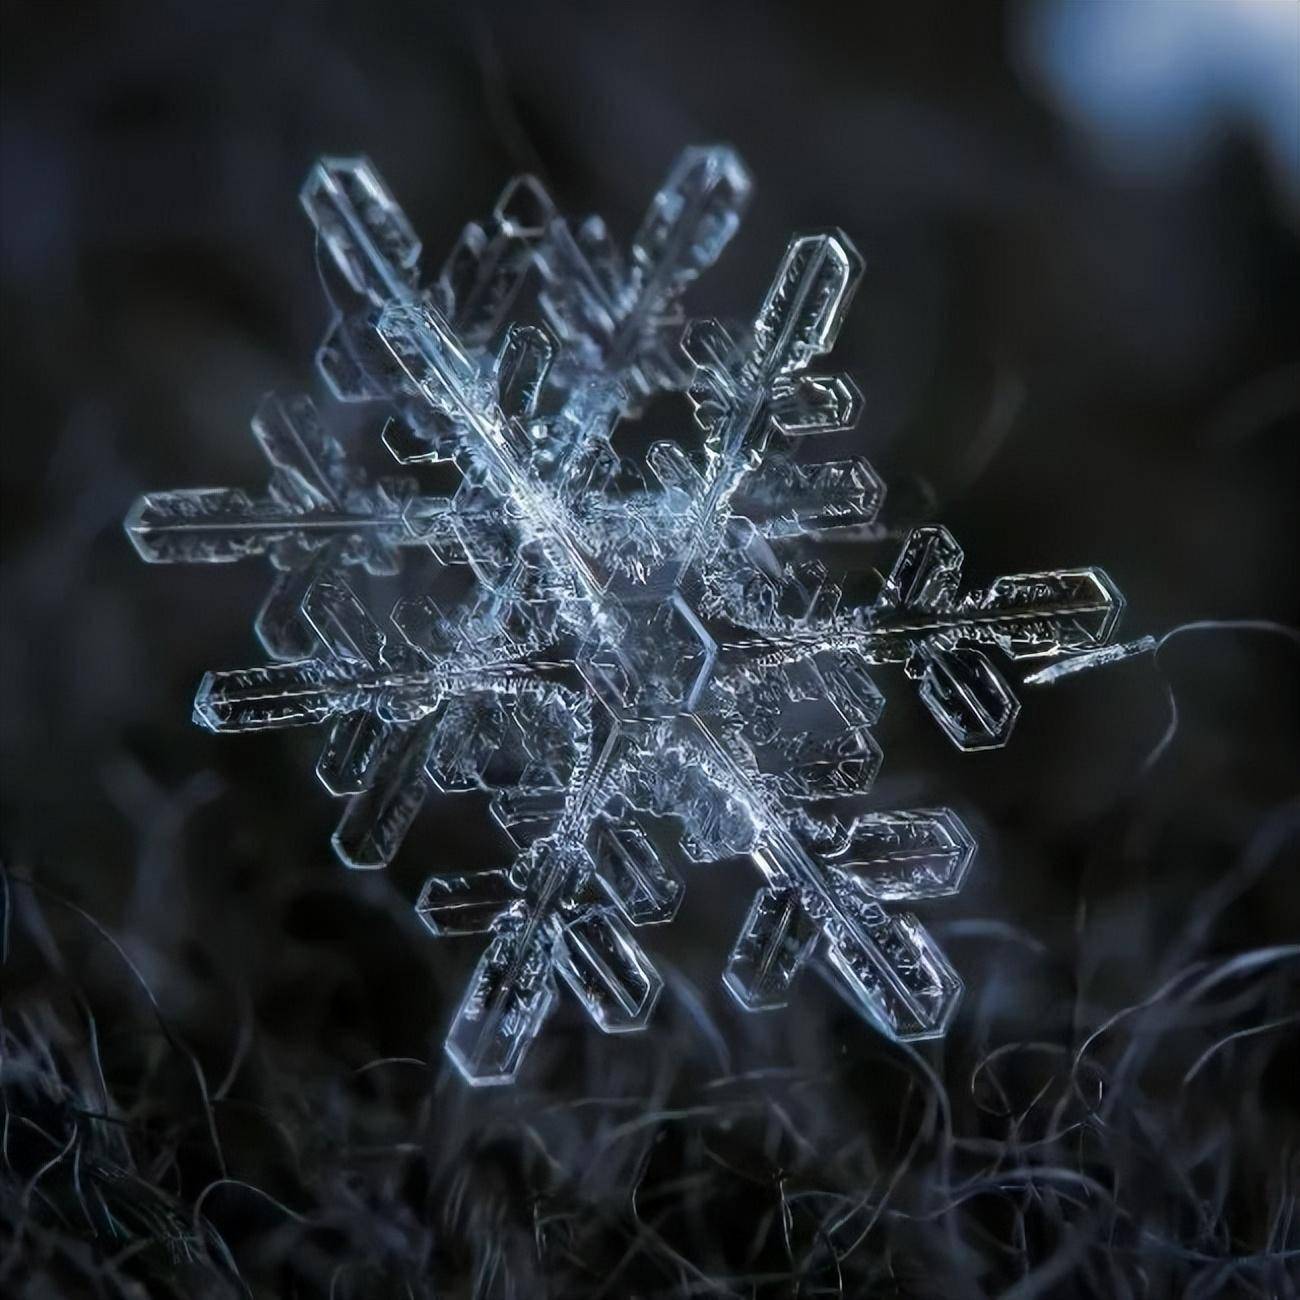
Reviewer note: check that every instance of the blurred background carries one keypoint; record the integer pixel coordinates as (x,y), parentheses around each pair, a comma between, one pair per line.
(1079,331)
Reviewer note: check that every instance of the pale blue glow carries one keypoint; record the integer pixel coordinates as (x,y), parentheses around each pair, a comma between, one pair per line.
(1153,79)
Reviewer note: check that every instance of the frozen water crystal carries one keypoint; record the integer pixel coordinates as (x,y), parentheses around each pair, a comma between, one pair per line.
(653,667)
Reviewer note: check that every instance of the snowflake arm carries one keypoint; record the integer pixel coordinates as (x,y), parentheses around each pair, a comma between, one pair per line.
(375,252)
(318,515)
(742,395)
(547,918)
(622,320)
(921,622)
(399,718)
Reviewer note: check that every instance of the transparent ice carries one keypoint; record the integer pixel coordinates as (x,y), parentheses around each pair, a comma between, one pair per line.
(653,667)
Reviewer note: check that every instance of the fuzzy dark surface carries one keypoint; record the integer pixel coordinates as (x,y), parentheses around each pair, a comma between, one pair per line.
(222,1070)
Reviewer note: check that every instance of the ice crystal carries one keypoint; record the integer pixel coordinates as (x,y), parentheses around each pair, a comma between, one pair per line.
(649,653)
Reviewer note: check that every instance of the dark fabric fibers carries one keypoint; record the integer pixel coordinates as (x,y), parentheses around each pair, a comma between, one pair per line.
(222,1070)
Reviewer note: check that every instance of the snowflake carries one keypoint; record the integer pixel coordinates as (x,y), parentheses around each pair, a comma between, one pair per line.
(648,655)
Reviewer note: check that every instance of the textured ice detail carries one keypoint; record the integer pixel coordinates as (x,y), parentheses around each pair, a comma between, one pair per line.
(318,514)
(921,622)
(653,667)
(621,318)
(1089,659)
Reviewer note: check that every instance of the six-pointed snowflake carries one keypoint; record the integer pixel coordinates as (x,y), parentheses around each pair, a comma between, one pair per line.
(648,653)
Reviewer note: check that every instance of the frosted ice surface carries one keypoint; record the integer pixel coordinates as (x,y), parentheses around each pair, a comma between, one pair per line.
(653,667)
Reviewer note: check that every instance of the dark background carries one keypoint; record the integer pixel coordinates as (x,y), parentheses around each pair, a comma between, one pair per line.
(1085,343)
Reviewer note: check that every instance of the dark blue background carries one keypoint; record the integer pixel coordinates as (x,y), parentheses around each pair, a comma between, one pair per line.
(1089,361)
